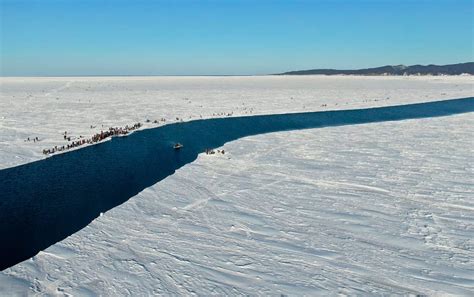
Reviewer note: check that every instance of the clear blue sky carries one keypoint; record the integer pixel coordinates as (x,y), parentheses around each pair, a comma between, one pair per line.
(85,37)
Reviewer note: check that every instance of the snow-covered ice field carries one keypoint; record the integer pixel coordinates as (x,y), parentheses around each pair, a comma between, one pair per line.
(47,107)
(382,208)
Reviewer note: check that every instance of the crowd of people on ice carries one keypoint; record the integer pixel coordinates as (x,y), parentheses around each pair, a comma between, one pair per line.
(113,131)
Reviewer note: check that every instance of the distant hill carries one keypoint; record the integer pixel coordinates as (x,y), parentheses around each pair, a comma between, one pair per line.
(453,69)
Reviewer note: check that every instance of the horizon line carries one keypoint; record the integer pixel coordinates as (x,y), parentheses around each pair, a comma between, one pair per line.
(131,75)
(230,75)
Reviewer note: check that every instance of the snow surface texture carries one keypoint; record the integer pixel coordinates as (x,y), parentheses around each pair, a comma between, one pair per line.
(365,209)
(47,107)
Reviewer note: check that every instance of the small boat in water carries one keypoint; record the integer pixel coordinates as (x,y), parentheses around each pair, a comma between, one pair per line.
(177,146)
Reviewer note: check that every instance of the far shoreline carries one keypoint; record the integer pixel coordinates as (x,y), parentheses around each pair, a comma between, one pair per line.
(239,75)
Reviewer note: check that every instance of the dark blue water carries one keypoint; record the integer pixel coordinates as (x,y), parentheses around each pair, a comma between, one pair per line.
(43,202)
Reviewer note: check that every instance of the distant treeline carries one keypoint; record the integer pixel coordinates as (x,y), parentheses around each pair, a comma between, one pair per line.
(453,69)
